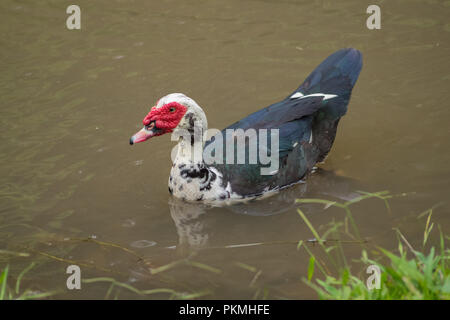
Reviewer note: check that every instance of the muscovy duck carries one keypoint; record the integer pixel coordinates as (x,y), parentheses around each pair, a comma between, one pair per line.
(306,120)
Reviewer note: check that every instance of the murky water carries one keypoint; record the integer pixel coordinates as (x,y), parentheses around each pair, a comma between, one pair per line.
(71,99)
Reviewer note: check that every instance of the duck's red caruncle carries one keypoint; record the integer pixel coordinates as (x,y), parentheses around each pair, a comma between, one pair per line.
(166,117)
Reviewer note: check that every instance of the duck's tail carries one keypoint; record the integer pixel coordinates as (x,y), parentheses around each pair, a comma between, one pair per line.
(336,75)
(335,78)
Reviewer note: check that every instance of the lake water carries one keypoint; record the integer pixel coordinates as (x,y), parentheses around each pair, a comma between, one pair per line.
(72,191)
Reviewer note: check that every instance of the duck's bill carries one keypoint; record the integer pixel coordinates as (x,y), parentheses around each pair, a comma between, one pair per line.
(141,135)
(145,133)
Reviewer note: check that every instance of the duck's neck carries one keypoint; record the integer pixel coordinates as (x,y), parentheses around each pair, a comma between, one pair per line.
(191,178)
(190,150)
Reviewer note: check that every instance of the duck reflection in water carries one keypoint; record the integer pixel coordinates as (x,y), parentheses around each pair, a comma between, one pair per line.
(200,226)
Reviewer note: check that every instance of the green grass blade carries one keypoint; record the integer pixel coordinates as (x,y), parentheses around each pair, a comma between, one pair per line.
(203,266)
(165,267)
(311,267)
(3,280)
(116,283)
(428,228)
(19,278)
(310,226)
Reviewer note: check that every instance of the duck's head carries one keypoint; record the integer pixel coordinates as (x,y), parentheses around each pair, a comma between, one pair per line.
(172,112)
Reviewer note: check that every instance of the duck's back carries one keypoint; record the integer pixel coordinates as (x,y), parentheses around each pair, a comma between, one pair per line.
(306,121)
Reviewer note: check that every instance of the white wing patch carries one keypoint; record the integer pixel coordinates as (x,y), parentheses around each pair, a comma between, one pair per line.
(325,96)
(297,95)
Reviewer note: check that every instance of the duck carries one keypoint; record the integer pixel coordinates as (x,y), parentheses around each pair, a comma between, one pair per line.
(294,134)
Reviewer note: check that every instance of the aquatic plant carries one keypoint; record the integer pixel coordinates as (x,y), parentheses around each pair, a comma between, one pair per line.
(8,293)
(416,275)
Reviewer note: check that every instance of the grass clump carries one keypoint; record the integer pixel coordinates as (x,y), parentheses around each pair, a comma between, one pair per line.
(409,274)
(424,277)
(14,293)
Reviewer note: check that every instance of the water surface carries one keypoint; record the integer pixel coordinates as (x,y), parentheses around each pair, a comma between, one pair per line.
(71,99)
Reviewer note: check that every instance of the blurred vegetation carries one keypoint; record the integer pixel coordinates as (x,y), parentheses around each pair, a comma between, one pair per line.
(409,274)
(8,293)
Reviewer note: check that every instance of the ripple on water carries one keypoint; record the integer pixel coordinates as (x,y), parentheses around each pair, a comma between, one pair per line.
(128,223)
(143,244)
(138,162)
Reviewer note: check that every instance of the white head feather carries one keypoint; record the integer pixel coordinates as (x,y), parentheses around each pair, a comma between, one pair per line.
(192,108)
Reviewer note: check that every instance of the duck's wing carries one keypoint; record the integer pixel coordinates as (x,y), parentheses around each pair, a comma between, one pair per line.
(293,122)
(307,120)
(279,113)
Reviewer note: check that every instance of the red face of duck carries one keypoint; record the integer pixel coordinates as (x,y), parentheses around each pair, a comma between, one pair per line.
(160,121)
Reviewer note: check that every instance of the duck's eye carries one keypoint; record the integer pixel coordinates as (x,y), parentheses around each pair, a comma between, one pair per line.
(172,109)
(150,126)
